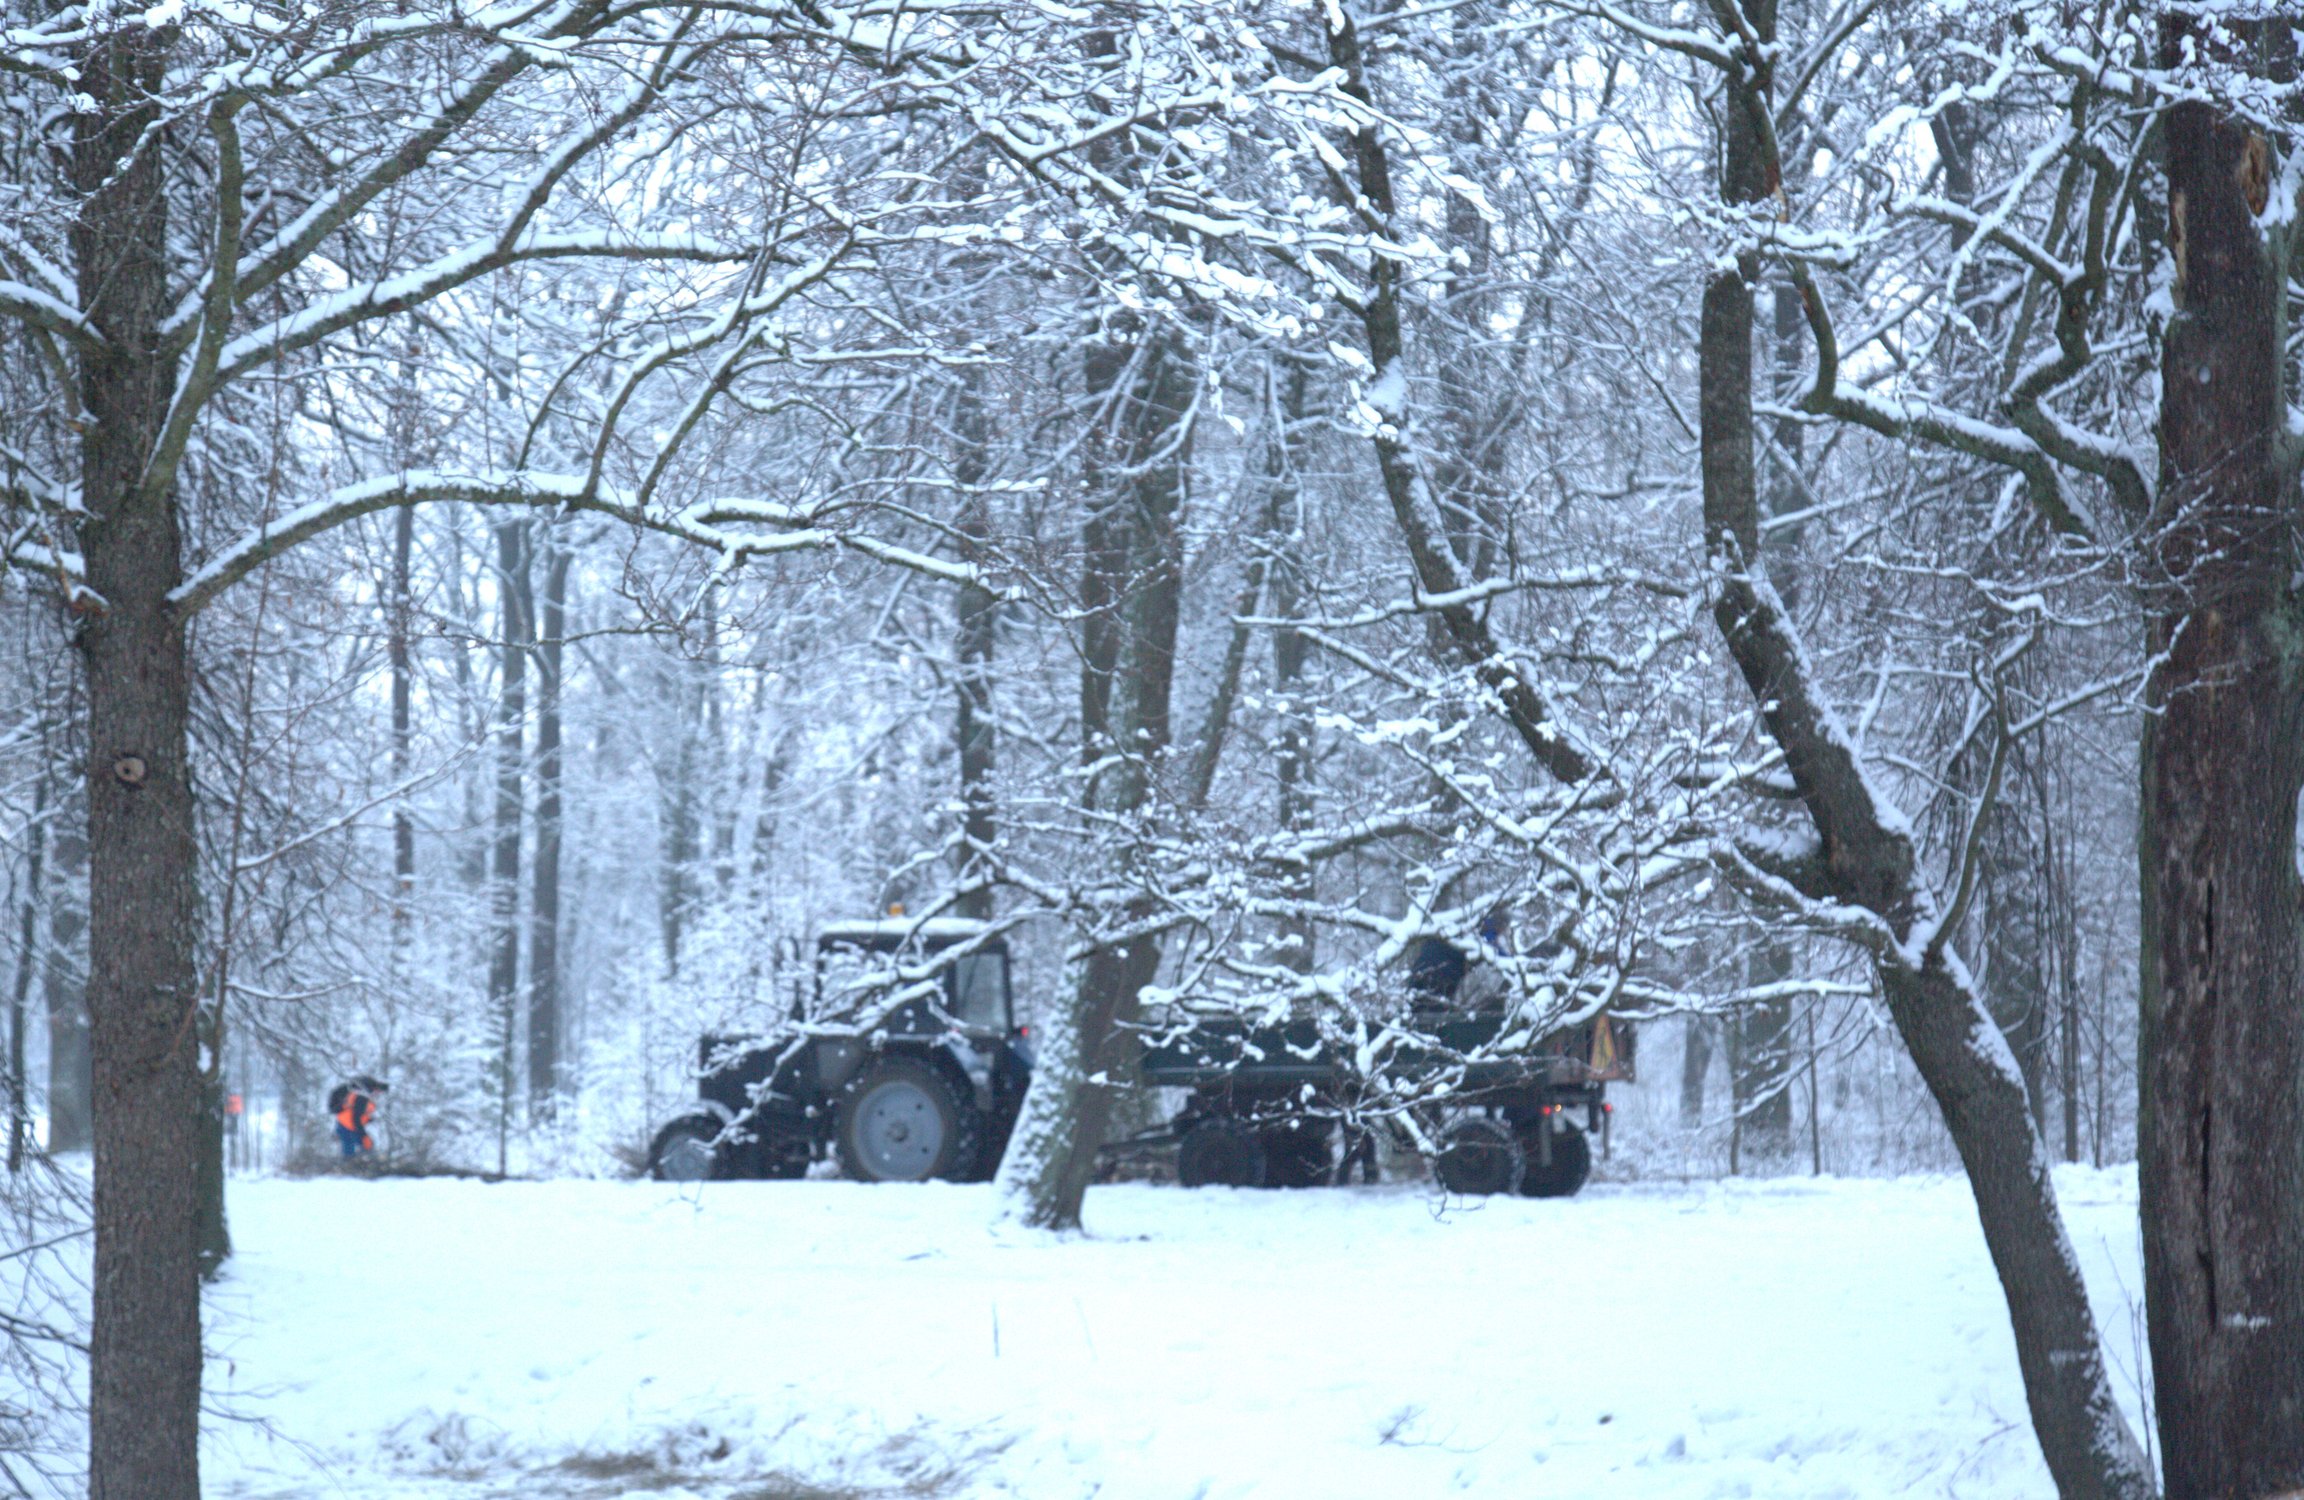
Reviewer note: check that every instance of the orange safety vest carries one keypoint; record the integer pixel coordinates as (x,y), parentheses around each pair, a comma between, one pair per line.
(356,1111)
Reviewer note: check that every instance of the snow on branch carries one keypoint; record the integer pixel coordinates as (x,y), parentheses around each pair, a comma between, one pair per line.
(736,529)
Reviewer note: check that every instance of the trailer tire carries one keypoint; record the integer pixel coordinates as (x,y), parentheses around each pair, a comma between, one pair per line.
(1480,1156)
(1220,1153)
(1571,1164)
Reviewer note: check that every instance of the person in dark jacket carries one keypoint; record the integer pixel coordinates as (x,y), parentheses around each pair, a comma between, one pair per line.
(352,1104)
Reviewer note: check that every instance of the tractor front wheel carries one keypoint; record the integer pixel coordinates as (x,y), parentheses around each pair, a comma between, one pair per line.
(688,1150)
(1220,1153)
(1479,1156)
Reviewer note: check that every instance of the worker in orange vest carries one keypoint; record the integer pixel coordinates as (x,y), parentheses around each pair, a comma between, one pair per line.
(353,1103)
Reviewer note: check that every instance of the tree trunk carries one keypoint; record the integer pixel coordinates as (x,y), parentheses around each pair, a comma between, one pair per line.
(398,653)
(2220,1145)
(64,984)
(1761,1078)
(215,1228)
(512,599)
(1865,857)
(27,957)
(1695,1062)
(144,911)
(976,638)
(677,816)
(544,1040)
(1134,567)
(1293,747)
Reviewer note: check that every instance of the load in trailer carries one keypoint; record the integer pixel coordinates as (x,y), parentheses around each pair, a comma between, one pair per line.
(926,1085)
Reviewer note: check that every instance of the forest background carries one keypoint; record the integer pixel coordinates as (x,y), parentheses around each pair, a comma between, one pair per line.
(522,513)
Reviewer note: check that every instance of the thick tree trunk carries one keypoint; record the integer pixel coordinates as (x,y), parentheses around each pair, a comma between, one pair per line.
(144,911)
(2221,1120)
(544,1028)
(1135,567)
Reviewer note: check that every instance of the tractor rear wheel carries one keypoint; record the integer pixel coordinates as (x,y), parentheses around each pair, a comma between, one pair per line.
(900,1120)
(1297,1155)
(1571,1164)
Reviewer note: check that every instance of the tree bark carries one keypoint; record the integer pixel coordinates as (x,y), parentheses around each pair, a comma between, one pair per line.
(1134,566)
(976,638)
(512,607)
(2220,1145)
(544,1020)
(64,983)
(1293,746)
(398,653)
(144,912)
(27,959)
(1695,1062)
(678,824)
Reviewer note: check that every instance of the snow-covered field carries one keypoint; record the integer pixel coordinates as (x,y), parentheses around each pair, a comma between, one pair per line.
(774,1341)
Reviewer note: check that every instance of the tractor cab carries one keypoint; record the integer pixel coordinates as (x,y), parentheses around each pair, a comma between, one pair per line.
(972,990)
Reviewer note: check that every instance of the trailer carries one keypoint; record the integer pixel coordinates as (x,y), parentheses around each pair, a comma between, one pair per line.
(1280,1106)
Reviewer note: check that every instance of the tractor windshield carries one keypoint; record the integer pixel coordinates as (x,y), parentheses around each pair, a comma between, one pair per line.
(980,991)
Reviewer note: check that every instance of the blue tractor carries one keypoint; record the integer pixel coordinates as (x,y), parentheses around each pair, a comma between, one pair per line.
(925,1084)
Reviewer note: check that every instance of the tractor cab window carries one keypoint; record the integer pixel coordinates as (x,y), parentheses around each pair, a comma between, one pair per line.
(979,991)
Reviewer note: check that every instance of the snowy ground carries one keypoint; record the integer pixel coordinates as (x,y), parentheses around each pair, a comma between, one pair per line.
(804,1341)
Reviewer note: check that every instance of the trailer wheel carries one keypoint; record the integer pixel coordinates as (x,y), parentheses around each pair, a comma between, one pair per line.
(1220,1153)
(1479,1156)
(1297,1155)
(901,1121)
(684,1151)
(1571,1164)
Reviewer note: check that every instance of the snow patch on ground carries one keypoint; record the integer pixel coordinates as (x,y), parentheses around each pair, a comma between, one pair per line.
(775,1341)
